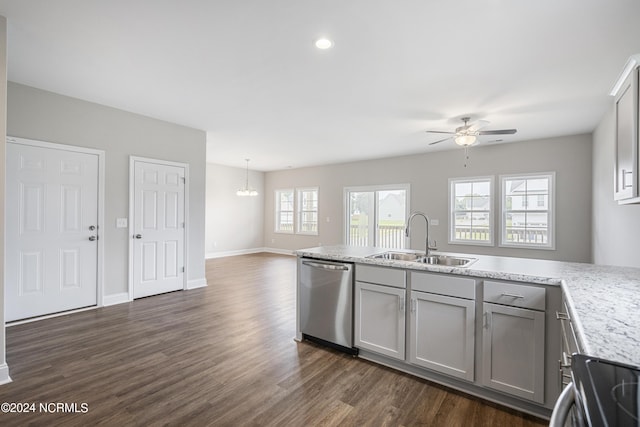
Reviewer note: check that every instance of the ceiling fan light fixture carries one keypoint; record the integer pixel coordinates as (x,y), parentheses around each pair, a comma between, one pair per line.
(465,140)
(323,43)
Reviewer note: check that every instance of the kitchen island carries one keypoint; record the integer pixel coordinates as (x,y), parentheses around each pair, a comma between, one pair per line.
(603,303)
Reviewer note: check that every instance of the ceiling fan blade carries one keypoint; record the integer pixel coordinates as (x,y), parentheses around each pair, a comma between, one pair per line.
(498,132)
(439,131)
(439,141)
(476,126)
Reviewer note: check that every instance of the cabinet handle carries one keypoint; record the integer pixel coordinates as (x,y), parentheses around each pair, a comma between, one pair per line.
(504,294)
(413,305)
(400,303)
(624,178)
(565,361)
(487,320)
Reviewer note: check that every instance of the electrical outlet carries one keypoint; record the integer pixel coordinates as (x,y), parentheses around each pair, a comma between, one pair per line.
(435,222)
(121,223)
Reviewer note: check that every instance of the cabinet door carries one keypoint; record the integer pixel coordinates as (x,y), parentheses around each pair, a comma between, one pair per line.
(626,155)
(379,319)
(513,351)
(442,334)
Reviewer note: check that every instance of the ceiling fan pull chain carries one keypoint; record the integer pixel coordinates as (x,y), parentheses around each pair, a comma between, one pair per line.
(466,155)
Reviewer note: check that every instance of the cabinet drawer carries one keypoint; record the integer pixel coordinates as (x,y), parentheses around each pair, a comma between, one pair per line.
(381,275)
(453,286)
(514,295)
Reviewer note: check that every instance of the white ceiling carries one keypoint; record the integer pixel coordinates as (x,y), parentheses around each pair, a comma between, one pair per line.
(247,72)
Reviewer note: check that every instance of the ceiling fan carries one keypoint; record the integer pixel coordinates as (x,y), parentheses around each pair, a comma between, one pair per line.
(467,134)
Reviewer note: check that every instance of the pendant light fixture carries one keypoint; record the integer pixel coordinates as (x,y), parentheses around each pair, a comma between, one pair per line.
(247,191)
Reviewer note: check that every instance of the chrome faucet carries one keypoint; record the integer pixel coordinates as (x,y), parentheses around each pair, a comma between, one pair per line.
(407,231)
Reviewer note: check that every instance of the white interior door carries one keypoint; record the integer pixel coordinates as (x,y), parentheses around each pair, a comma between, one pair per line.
(51,230)
(158,228)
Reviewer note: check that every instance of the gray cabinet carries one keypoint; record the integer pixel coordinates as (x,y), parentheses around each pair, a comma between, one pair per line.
(442,324)
(513,340)
(442,334)
(626,94)
(380,310)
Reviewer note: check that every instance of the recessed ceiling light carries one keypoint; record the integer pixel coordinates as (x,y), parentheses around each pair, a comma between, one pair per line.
(324,43)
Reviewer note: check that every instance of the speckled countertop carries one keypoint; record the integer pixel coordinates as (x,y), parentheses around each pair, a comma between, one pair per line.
(604,301)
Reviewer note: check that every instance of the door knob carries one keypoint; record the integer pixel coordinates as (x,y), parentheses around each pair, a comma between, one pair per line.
(138,236)
(92,238)
(92,227)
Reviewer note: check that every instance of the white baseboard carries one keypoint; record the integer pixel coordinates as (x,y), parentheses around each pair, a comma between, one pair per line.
(114,299)
(197,283)
(223,254)
(4,374)
(279,251)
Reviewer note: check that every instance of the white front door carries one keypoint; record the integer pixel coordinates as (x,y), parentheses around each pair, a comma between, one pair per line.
(51,230)
(158,228)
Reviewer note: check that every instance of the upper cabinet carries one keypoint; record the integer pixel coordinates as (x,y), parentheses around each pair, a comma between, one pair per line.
(627,117)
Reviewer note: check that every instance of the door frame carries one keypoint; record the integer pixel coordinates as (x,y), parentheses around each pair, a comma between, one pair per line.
(101,204)
(132,169)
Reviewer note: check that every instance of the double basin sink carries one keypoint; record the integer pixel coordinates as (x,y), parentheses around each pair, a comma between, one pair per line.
(444,260)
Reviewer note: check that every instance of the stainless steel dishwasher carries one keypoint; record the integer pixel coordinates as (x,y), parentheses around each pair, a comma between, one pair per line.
(326,302)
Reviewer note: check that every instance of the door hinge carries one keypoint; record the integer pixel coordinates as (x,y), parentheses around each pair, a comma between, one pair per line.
(182,269)
(184,179)
(183,225)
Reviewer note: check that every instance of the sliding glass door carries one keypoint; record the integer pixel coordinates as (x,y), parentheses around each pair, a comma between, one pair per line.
(375,216)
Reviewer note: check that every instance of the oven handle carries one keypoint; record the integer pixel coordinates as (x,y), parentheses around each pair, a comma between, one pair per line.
(562,407)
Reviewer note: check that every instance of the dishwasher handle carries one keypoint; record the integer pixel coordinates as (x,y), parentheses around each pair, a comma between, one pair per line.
(325,266)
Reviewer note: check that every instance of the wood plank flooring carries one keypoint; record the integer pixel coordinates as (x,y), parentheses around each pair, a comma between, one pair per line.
(221,356)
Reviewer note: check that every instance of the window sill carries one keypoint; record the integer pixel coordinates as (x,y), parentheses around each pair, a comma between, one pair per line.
(515,246)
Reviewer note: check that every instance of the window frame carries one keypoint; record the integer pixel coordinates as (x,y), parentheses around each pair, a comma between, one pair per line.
(551,211)
(375,189)
(452,211)
(277,224)
(299,211)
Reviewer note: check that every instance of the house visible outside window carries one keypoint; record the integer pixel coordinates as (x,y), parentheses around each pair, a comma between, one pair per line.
(284,211)
(376,215)
(307,211)
(470,210)
(527,206)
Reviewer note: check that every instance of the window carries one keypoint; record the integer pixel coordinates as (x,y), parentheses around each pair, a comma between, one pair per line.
(527,205)
(284,211)
(375,216)
(297,210)
(470,210)
(307,211)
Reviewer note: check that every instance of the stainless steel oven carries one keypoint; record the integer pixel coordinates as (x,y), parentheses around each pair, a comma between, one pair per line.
(603,393)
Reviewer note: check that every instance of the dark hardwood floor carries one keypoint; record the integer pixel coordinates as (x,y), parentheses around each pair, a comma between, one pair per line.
(223,356)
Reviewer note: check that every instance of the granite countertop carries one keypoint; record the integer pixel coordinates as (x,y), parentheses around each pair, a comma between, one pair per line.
(604,301)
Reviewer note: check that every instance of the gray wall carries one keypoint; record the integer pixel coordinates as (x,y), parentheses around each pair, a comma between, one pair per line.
(616,228)
(40,115)
(234,224)
(428,174)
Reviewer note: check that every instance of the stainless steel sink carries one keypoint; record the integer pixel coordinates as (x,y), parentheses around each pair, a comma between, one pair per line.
(448,260)
(398,256)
